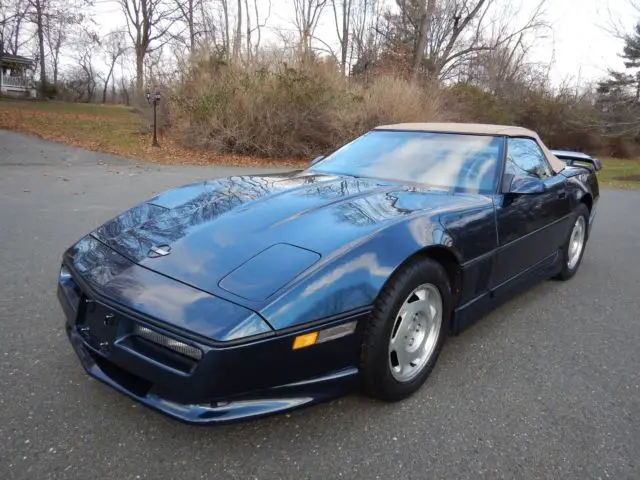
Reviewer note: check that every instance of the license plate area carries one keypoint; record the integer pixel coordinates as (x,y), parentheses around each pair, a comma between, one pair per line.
(97,324)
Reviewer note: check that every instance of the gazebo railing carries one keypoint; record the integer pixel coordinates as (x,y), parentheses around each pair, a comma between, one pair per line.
(15,81)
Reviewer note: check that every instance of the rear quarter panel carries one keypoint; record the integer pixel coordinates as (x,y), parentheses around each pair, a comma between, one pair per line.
(581,182)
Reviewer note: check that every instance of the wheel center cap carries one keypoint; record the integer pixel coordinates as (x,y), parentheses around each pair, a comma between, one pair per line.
(416,334)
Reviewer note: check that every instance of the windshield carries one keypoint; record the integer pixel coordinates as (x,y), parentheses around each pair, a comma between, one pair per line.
(446,160)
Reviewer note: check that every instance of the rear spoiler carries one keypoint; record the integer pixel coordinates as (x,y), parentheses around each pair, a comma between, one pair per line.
(578,159)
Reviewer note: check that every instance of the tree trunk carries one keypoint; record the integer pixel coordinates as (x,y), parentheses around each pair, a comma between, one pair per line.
(125,92)
(40,28)
(346,18)
(55,70)
(423,34)
(227,40)
(91,87)
(106,83)
(139,72)
(246,9)
(192,28)
(238,36)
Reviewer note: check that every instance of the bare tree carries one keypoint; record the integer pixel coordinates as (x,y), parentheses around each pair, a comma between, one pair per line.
(249,31)
(211,20)
(439,37)
(85,77)
(307,15)
(39,10)
(251,47)
(148,21)
(342,16)
(237,39)
(504,35)
(187,11)
(114,46)
(426,16)
(12,19)
(365,39)
(125,83)
(505,71)
(615,21)
(57,29)
(225,9)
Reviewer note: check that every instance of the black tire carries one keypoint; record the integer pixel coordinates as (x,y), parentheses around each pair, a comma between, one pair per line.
(375,369)
(568,272)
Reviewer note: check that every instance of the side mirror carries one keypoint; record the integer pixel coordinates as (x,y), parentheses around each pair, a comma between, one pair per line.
(526,186)
(315,160)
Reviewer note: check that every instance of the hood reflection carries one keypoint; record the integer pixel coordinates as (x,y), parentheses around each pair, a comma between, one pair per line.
(214,227)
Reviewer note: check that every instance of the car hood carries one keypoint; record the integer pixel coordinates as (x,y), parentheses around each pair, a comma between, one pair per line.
(246,237)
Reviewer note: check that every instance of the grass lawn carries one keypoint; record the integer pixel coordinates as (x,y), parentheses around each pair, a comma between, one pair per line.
(619,173)
(111,129)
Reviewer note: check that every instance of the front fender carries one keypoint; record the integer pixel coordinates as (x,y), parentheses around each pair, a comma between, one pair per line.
(352,277)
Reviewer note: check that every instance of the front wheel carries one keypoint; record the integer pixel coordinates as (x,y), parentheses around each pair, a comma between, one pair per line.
(408,326)
(573,250)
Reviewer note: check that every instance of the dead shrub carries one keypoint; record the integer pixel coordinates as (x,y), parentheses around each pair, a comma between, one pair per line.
(280,112)
(389,100)
(286,112)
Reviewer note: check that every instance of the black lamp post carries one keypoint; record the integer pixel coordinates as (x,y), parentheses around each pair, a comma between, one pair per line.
(155,98)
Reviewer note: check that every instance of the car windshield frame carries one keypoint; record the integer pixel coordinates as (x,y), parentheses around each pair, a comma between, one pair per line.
(498,170)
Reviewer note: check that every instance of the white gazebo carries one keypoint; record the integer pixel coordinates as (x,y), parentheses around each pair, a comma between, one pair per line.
(16,75)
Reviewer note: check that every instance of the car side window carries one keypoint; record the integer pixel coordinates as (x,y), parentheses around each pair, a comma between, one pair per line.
(525,159)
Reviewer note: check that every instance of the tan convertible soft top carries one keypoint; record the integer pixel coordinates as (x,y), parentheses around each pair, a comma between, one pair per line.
(480,129)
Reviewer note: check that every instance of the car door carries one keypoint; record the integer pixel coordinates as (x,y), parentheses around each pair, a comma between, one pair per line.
(531,226)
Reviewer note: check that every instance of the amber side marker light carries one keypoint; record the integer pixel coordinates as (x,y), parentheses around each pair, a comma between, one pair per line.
(333,333)
(305,340)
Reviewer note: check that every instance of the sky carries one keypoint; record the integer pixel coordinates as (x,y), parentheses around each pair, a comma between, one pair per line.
(579,45)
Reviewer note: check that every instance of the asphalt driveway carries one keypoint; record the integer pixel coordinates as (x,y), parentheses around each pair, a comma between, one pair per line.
(547,386)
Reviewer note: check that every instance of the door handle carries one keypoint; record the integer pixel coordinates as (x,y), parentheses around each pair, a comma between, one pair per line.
(562,193)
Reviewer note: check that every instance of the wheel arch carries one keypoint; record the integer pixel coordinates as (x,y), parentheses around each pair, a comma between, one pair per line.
(449,261)
(447,258)
(587,199)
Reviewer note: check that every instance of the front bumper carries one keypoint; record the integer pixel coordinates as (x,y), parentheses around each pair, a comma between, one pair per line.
(227,383)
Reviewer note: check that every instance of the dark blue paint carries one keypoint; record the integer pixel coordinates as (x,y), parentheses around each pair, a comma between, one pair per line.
(259,377)
(257,260)
(268,271)
(221,225)
(120,281)
(527,186)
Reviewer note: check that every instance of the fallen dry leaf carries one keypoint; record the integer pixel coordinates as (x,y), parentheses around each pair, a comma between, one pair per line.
(115,130)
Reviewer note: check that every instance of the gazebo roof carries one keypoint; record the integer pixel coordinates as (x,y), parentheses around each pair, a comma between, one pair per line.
(6,59)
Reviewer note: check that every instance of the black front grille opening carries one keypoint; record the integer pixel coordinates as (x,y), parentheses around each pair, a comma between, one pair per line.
(127,380)
(159,353)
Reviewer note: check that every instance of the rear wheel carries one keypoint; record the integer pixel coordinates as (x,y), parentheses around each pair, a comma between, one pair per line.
(407,329)
(573,250)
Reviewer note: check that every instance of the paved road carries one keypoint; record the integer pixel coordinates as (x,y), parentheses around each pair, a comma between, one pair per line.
(548,386)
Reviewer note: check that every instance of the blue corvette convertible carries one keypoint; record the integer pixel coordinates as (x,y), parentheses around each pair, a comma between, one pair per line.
(239,297)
